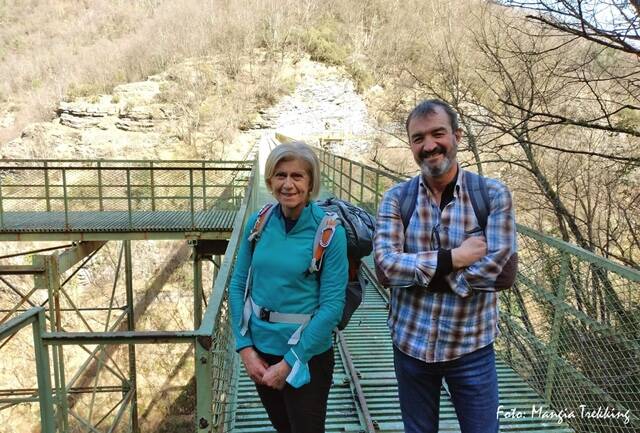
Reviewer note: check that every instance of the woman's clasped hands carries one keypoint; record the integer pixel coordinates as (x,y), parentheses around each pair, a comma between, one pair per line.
(261,373)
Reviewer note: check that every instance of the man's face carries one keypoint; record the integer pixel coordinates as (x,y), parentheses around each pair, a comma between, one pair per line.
(433,144)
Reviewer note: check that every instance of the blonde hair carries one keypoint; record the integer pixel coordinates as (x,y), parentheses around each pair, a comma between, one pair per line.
(291,151)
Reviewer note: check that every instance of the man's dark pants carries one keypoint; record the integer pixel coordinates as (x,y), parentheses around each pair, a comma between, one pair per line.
(473,383)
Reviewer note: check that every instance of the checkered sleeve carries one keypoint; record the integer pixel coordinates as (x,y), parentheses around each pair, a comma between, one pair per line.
(501,241)
(400,268)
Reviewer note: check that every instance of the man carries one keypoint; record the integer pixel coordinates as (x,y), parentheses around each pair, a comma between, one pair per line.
(442,269)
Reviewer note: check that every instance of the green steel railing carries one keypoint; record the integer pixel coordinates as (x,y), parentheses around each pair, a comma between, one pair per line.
(570,326)
(211,336)
(68,187)
(218,367)
(35,318)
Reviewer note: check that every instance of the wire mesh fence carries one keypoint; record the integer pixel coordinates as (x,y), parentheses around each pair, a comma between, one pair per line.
(570,326)
(224,359)
(77,194)
(225,373)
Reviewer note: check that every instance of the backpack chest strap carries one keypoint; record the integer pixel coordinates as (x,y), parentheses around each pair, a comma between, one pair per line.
(275,317)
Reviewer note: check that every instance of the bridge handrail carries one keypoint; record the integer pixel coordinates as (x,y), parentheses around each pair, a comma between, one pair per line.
(215,377)
(624,271)
(571,323)
(7,163)
(35,317)
(65,188)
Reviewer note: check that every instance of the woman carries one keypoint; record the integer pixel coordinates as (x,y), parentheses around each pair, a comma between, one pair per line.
(283,326)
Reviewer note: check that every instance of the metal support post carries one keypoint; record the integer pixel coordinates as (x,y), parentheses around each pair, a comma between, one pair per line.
(129,198)
(50,281)
(191,198)
(350,196)
(204,187)
(1,207)
(361,185)
(217,261)
(65,198)
(47,191)
(204,385)
(47,417)
(197,287)
(100,202)
(131,326)
(153,189)
(335,175)
(341,190)
(558,316)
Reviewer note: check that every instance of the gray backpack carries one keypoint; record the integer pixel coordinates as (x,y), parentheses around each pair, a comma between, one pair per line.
(359,226)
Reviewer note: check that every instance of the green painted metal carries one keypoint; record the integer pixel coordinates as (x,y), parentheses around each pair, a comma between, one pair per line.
(558,316)
(115,236)
(59,339)
(42,199)
(131,326)
(587,256)
(569,305)
(364,415)
(51,282)
(47,188)
(204,386)
(371,353)
(216,359)
(115,221)
(196,263)
(371,347)
(12,326)
(35,318)
(20,270)
(71,256)
(575,346)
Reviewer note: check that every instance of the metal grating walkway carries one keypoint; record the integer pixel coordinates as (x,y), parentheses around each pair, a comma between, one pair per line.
(214,221)
(369,343)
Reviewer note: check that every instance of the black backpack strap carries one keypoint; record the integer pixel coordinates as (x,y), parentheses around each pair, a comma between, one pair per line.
(409,198)
(479,196)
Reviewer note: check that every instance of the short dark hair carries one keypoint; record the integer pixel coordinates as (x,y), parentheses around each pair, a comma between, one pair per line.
(427,107)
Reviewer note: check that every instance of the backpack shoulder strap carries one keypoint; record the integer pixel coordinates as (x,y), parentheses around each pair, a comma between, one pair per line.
(254,236)
(261,221)
(409,199)
(324,234)
(479,196)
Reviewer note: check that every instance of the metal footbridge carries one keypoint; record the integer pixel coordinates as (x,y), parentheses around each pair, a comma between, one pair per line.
(568,354)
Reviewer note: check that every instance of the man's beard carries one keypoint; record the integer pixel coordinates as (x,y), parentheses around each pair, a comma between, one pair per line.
(429,170)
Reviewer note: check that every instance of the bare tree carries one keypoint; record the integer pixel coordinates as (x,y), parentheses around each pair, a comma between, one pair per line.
(610,23)
(608,70)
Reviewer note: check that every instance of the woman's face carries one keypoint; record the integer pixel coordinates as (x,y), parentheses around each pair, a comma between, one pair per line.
(291,186)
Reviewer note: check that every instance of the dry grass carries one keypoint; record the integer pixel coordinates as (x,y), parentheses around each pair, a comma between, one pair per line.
(54,49)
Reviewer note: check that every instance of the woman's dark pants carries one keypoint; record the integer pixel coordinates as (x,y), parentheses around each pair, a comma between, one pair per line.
(304,409)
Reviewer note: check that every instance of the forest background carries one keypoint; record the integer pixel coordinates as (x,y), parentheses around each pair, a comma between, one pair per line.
(549,103)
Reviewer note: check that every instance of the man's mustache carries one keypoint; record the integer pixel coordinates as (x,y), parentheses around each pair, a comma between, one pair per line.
(424,154)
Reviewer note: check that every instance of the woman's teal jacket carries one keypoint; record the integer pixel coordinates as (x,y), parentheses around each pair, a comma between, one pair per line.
(282,283)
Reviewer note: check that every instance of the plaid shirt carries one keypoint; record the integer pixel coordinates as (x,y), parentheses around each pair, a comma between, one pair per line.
(436,327)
